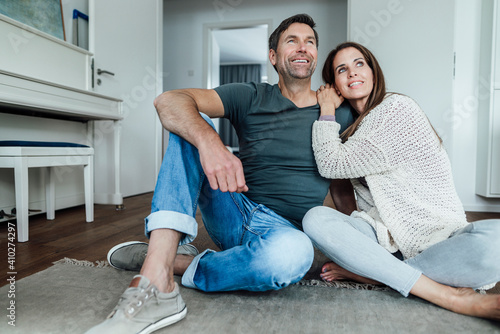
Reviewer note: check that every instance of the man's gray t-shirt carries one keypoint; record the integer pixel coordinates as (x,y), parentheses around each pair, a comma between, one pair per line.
(275,147)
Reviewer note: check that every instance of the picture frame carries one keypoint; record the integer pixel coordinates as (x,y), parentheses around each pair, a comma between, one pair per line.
(44,15)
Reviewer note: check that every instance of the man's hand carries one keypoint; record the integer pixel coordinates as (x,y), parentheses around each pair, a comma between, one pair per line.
(223,169)
(179,111)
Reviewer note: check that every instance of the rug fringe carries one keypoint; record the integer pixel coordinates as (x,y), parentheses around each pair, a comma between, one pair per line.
(83,263)
(343,285)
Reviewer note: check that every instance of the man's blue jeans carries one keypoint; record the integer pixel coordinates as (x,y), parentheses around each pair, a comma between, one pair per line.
(260,249)
(468,258)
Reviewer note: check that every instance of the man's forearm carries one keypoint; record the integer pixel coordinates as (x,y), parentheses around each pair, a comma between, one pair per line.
(179,114)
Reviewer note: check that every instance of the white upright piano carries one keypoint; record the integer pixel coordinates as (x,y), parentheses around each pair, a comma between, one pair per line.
(42,76)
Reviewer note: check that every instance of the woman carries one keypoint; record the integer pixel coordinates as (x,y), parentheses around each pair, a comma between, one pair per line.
(410,232)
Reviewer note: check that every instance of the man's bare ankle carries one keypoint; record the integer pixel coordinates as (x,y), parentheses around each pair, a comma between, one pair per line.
(164,282)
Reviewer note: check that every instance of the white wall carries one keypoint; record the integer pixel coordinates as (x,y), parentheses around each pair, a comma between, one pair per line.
(416,43)
(469,89)
(183,33)
(417,57)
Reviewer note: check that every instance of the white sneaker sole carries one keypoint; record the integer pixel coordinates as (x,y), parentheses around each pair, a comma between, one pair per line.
(164,322)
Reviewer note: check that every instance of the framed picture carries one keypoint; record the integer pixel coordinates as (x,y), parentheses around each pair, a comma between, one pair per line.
(44,15)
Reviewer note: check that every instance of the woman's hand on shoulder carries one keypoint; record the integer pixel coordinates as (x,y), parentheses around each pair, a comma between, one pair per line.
(329,99)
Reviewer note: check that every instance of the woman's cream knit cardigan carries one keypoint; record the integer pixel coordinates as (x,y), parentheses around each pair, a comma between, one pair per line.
(411,200)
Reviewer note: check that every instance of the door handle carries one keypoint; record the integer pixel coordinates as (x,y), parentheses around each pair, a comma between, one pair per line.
(99,72)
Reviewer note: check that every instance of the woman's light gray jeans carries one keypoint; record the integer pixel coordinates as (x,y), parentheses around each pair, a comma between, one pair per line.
(468,258)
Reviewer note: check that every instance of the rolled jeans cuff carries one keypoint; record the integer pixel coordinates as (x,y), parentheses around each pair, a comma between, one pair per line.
(414,277)
(175,221)
(188,277)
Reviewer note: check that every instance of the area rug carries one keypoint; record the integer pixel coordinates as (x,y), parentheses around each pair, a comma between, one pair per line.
(72,296)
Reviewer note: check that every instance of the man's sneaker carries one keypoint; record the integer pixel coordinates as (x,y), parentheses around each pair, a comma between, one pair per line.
(187,249)
(142,310)
(130,255)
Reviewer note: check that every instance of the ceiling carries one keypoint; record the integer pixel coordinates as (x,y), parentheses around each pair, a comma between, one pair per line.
(243,45)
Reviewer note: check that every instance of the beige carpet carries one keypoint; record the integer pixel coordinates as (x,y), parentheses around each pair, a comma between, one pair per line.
(71,297)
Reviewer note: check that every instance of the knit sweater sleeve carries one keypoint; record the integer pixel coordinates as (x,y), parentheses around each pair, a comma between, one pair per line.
(365,152)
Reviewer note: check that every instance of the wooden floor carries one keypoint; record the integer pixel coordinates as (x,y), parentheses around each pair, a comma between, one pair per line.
(70,236)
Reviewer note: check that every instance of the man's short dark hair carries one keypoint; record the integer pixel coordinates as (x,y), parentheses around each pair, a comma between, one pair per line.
(299,18)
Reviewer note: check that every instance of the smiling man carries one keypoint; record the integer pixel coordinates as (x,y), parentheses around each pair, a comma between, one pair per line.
(252,205)
(296,58)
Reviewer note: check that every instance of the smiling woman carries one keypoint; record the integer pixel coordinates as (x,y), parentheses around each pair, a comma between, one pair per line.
(363,59)
(353,77)
(410,232)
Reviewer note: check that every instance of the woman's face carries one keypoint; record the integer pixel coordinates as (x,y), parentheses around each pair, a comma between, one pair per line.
(353,77)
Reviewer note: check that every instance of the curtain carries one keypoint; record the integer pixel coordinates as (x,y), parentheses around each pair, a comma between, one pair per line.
(231,74)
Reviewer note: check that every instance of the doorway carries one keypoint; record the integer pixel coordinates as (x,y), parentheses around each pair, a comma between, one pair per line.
(234,43)
(239,47)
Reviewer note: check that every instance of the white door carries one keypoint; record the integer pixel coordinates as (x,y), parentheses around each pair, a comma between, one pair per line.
(126,40)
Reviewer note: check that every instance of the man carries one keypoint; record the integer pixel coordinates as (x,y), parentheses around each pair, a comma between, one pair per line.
(252,208)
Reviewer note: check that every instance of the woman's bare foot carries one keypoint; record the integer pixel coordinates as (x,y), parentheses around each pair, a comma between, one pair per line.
(469,302)
(460,300)
(333,272)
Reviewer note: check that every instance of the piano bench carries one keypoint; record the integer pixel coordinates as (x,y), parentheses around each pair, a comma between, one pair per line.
(22,155)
